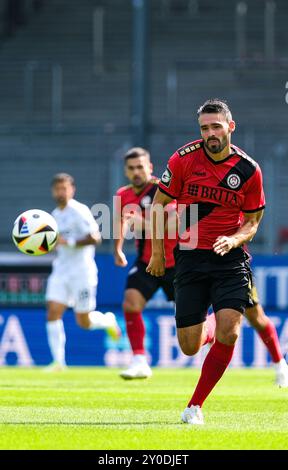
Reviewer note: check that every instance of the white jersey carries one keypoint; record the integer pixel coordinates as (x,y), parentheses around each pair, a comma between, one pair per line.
(75,221)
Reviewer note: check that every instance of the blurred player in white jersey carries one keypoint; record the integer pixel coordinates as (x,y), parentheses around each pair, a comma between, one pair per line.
(73,280)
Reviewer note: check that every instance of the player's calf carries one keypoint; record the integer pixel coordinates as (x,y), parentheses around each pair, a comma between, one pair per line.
(83,321)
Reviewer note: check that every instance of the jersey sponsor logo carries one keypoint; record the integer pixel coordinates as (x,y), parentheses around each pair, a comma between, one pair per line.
(216,194)
(189,149)
(166,177)
(233,181)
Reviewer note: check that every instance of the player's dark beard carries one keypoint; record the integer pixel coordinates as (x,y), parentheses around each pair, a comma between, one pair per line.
(61,200)
(216,148)
(138,182)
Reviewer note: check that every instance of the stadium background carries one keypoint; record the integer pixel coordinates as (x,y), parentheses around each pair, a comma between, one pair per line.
(83,80)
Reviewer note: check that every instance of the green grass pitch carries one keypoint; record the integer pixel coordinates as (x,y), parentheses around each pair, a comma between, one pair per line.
(92,408)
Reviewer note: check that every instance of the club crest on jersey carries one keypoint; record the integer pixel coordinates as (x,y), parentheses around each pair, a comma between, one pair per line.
(166,177)
(233,181)
(145,201)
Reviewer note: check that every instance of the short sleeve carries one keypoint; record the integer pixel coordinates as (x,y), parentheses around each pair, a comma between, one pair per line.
(254,193)
(171,181)
(118,203)
(87,222)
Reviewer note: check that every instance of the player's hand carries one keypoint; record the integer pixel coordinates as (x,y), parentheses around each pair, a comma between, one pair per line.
(223,245)
(156,266)
(61,241)
(120,259)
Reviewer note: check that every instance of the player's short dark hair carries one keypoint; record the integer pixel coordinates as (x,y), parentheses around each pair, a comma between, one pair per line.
(215,106)
(62,178)
(136,152)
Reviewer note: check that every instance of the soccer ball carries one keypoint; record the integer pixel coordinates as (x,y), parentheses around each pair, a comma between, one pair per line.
(35,232)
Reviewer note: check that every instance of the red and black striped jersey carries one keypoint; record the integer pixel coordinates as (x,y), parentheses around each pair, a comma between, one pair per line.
(143,200)
(222,190)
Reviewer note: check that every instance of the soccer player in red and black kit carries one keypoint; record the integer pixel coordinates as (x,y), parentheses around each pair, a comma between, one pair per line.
(140,286)
(223,182)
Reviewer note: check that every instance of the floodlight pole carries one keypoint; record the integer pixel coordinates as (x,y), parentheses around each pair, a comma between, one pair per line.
(56,98)
(140,72)
(270,8)
(241,33)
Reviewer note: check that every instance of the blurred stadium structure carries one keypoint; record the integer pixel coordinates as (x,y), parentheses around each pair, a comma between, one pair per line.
(83,80)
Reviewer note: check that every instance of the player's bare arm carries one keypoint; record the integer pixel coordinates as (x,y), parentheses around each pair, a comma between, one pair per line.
(119,255)
(130,219)
(245,234)
(156,266)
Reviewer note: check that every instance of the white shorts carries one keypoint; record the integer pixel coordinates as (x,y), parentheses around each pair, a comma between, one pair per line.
(75,293)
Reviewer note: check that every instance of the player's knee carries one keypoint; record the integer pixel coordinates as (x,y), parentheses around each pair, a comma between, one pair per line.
(251,314)
(129,306)
(253,320)
(232,338)
(52,315)
(189,349)
(256,317)
(229,337)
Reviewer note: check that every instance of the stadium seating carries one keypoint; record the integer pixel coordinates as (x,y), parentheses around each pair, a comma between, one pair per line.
(194,40)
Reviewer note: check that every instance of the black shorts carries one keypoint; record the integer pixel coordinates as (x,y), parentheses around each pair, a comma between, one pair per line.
(146,284)
(204,278)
